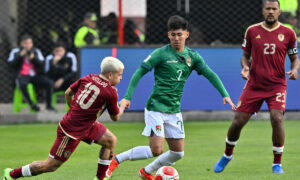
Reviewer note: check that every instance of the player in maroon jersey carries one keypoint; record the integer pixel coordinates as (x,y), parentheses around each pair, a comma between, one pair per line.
(88,97)
(267,43)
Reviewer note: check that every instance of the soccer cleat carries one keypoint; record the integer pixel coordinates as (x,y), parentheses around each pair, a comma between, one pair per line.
(112,166)
(144,175)
(221,164)
(277,169)
(6,175)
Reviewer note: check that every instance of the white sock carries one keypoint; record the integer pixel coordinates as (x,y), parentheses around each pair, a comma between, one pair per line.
(136,153)
(104,162)
(26,171)
(232,143)
(166,159)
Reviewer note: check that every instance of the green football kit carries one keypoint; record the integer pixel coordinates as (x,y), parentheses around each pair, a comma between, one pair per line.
(171,70)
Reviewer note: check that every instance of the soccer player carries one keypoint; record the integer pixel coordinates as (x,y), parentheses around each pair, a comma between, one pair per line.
(267,43)
(88,97)
(172,66)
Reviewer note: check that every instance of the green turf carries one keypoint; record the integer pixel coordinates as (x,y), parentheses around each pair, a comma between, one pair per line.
(204,145)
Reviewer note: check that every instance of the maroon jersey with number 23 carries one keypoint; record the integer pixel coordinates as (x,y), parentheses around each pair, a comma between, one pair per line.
(268,48)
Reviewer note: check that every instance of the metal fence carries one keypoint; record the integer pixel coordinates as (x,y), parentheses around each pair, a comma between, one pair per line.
(212,22)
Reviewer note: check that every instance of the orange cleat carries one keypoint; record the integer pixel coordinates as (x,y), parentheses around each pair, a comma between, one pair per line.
(112,166)
(144,175)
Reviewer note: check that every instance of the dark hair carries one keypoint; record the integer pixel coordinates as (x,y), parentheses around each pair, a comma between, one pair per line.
(177,22)
(59,44)
(264,2)
(25,37)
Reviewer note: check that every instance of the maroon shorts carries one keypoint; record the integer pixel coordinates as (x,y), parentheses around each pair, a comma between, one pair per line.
(64,146)
(251,100)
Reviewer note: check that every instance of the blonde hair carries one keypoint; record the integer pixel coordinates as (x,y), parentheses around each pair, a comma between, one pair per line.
(111,64)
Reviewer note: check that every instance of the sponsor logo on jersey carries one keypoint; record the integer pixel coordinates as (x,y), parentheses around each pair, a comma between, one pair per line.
(172,61)
(158,128)
(147,58)
(244,43)
(258,36)
(280,37)
(189,62)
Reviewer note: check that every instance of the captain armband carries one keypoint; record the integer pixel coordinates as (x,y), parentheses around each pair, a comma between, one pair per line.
(292,51)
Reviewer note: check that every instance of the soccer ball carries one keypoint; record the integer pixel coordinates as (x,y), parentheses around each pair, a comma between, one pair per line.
(166,173)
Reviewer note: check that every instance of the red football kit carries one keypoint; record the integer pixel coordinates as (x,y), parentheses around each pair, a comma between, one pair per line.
(267,82)
(93,95)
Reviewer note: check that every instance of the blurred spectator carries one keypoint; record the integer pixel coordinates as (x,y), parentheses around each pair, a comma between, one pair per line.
(61,67)
(291,22)
(131,33)
(88,33)
(46,35)
(196,36)
(290,6)
(4,44)
(109,29)
(42,38)
(28,63)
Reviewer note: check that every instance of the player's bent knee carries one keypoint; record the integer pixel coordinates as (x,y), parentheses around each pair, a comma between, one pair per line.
(111,142)
(157,152)
(277,123)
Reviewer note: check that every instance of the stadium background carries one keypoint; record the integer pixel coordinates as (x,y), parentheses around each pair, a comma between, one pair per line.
(213,25)
(38,17)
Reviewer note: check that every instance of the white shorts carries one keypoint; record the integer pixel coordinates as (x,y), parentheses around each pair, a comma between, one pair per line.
(164,124)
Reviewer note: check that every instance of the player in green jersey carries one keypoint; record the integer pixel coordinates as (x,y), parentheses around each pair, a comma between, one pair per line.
(172,66)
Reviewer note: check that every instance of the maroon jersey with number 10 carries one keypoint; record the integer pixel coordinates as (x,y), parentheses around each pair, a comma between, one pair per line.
(92,95)
(268,48)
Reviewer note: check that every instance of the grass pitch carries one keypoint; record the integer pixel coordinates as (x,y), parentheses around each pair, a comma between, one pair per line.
(204,145)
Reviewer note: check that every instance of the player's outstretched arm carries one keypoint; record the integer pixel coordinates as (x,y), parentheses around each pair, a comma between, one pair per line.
(69,96)
(295,65)
(139,73)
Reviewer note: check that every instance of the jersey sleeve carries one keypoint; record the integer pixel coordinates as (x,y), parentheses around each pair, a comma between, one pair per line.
(199,64)
(152,60)
(139,73)
(246,46)
(112,103)
(74,87)
(292,46)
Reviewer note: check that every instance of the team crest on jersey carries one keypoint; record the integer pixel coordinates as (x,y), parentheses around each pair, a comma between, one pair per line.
(189,62)
(158,128)
(258,37)
(280,37)
(67,154)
